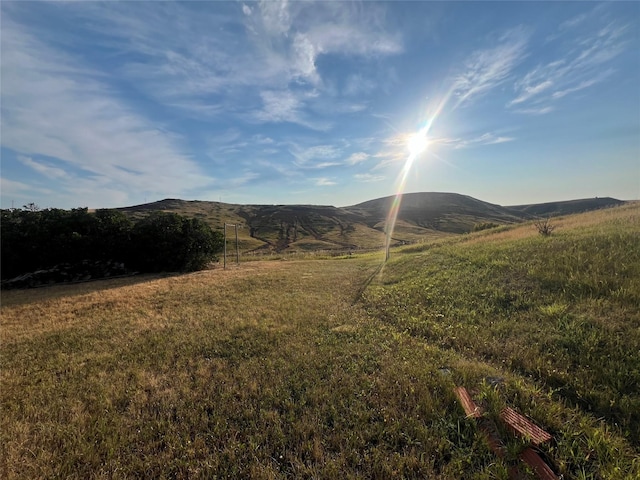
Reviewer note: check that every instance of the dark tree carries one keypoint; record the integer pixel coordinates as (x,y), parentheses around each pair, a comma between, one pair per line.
(76,240)
(170,242)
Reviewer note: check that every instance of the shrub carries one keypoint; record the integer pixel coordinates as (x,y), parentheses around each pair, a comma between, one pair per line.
(544,227)
(484,226)
(170,242)
(34,239)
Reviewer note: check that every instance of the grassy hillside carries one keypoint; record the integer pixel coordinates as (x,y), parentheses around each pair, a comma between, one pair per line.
(335,368)
(443,212)
(278,228)
(562,310)
(567,207)
(272,228)
(302,228)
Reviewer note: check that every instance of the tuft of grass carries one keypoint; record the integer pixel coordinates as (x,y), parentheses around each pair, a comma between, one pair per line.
(554,310)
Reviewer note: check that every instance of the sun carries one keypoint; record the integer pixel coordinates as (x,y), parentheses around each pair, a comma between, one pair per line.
(417,143)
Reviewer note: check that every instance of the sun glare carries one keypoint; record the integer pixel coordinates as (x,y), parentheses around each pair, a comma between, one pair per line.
(417,143)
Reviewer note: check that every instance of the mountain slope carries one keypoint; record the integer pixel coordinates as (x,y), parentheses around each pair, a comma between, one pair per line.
(567,207)
(303,228)
(444,212)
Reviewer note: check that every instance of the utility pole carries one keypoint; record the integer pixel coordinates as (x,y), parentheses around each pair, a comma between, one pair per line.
(235,225)
(237,249)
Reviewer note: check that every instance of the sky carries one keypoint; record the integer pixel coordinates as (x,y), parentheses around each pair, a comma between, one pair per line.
(121,103)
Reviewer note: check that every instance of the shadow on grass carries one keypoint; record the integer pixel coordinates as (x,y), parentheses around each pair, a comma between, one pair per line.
(60,290)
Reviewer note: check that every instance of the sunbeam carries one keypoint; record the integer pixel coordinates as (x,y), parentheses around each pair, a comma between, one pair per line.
(417,144)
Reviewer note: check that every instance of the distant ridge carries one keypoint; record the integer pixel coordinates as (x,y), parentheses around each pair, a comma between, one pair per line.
(305,228)
(446,212)
(567,207)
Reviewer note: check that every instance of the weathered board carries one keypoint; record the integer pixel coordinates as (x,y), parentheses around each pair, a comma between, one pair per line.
(524,427)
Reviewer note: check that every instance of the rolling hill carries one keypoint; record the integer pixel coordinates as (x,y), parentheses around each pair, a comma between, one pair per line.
(567,207)
(443,212)
(303,228)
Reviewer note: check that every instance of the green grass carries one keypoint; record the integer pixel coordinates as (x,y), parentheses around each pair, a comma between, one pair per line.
(334,367)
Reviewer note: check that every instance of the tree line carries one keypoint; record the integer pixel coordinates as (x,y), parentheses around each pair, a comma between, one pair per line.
(34,239)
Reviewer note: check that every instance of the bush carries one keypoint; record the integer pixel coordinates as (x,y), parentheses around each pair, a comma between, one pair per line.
(544,227)
(170,242)
(34,239)
(484,226)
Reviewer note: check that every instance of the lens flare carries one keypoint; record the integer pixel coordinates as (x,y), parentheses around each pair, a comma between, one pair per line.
(397,200)
(417,144)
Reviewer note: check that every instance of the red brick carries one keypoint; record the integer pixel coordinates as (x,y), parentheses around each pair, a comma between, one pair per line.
(542,470)
(490,434)
(469,406)
(524,427)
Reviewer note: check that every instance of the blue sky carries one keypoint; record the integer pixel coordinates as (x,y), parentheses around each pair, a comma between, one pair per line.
(114,104)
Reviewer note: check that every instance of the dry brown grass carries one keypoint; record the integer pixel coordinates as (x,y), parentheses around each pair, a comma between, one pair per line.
(625,214)
(133,350)
(28,313)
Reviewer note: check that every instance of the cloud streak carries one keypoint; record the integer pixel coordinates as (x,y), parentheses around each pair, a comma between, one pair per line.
(487,68)
(42,168)
(357,157)
(53,106)
(368,177)
(484,139)
(271,47)
(317,156)
(582,67)
(324,182)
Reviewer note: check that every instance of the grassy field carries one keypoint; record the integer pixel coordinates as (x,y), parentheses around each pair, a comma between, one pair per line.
(335,367)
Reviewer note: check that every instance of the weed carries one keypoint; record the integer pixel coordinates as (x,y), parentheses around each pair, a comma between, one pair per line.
(544,227)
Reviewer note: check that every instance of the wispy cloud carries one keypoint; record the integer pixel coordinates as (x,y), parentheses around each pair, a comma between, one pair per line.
(244,179)
(573,22)
(536,110)
(392,150)
(42,168)
(317,156)
(569,25)
(581,67)
(21,190)
(487,68)
(484,139)
(54,106)
(324,182)
(357,157)
(274,16)
(286,106)
(193,70)
(323,29)
(263,140)
(584,84)
(279,106)
(357,84)
(528,90)
(275,169)
(368,177)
